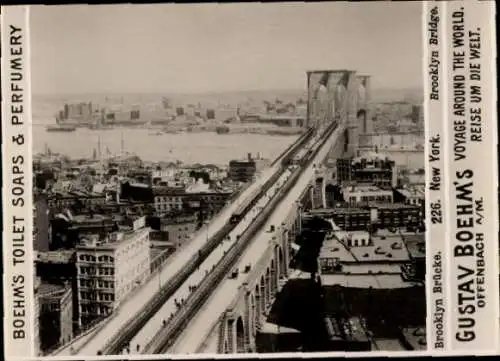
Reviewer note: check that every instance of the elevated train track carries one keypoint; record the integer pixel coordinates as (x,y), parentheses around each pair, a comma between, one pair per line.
(168,335)
(125,334)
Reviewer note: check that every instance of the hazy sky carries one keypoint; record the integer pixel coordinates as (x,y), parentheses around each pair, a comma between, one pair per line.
(200,48)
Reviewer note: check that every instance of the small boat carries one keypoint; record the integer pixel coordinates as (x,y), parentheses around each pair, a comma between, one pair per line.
(60,128)
(222,130)
(156,133)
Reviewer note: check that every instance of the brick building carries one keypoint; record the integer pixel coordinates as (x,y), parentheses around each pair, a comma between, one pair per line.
(55,315)
(109,268)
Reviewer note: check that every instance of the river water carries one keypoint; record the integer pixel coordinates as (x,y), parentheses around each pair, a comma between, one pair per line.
(189,148)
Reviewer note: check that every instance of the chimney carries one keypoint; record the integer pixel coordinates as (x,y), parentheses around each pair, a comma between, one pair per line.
(249,156)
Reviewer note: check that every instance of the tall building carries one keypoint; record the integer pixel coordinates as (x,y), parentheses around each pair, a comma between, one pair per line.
(58,268)
(109,269)
(56,315)
(368,169)
(245,170)
(344,172)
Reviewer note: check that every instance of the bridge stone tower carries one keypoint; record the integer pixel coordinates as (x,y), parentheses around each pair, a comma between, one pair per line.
(328,96)
(352,87)
(365,114)
(334,96)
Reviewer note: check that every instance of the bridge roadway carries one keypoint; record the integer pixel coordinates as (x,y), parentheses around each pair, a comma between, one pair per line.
(165,280)
(198,318)
(169,308)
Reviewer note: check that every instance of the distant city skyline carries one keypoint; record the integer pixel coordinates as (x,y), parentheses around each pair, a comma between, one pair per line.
(221,48)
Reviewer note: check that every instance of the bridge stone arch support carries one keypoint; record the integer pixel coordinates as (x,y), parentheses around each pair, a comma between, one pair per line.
(231,333)
(263,294)
(258,309)
(268,287)
(273,280)
(240,335)
(281,261)
(249,320)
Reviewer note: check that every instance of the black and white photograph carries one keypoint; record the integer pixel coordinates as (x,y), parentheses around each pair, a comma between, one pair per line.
(228,178)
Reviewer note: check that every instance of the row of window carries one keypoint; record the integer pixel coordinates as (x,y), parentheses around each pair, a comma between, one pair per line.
(167,207)
(50,307)
(376,198)
(159,199)
(101,271)
(91,258)
(90,283)
(179,200)
(96,309)
(96,296)
(68,202)
(414,201)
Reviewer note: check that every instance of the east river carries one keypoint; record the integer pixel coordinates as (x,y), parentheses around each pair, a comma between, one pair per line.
(190,148)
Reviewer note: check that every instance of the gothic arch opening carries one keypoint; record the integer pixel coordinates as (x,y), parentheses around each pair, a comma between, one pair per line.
(281,263)
(361,116)
(273,277)
(268,286)
(258,309)
(346,141)
(262,295)
(240,336)
(251,316)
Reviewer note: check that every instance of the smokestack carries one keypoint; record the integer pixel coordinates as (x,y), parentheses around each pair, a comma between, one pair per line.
(249,156)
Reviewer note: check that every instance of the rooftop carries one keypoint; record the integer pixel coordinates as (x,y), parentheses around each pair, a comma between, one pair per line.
(385,281)
(49,289)
(415,245)
(74,194)
(372,156)
(86,218)
(333,248)
(60,256)
(113,240)
(412,191)
(159,191)
(385,247)
(363,188)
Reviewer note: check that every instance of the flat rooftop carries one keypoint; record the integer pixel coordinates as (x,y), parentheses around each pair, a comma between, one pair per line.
(59,256)
(333,248)
(361,188)
(415,245)
(389,249)
(112,241)
(385,281)
(412,192)
(49,289)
